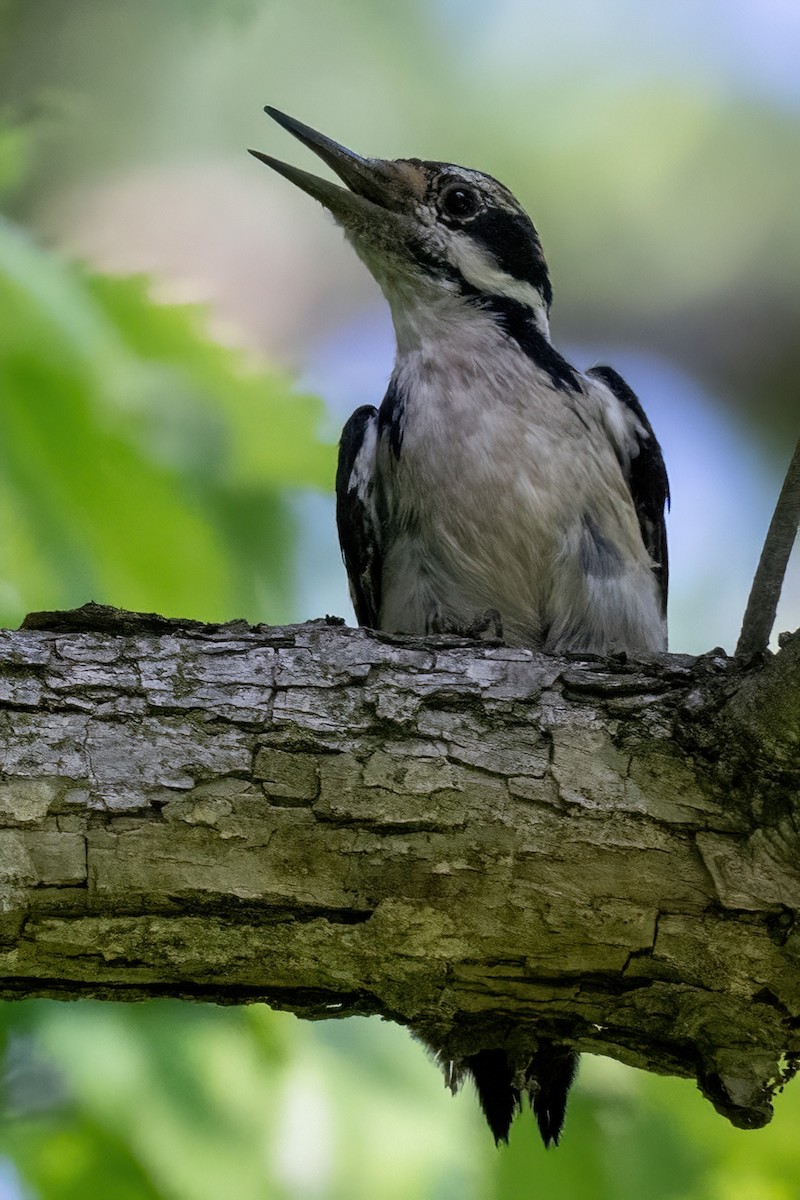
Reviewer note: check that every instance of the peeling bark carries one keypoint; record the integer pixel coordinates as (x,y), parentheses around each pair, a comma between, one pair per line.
(487,845)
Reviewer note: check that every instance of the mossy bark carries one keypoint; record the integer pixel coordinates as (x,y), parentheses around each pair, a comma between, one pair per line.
(483,844)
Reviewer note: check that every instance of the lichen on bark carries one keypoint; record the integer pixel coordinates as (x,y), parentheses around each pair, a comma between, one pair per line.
(483,843)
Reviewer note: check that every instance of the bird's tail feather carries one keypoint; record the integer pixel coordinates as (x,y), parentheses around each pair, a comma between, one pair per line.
(494,1080)
(548,1077)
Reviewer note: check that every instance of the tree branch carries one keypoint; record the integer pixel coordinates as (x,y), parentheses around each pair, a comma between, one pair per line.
(482,843)
(765,593)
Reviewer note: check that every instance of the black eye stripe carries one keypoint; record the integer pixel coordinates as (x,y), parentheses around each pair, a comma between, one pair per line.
(513,242)
(498,225)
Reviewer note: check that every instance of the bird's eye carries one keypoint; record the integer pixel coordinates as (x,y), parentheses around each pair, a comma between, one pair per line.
(459,202)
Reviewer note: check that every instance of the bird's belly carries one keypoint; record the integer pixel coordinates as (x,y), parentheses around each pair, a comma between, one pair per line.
(469,543)
(526,516)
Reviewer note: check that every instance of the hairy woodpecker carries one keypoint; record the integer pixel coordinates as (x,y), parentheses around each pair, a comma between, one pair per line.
(496,482)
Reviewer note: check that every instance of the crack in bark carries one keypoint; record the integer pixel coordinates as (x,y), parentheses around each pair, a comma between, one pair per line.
(486,845)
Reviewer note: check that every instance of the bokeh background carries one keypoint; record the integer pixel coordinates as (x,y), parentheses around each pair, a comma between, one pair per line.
(181,336)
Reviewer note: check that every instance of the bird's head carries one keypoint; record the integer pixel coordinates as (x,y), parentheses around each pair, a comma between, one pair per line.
(427,229)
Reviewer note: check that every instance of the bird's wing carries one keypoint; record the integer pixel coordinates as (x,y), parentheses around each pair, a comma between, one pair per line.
(356,514)
(645,472)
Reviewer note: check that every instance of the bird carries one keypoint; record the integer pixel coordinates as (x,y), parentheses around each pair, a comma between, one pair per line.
(496,487)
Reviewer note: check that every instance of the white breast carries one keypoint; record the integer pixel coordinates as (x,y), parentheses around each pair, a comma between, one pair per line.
(508,494)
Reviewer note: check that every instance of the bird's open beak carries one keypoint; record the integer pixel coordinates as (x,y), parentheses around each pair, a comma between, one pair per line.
(369,180)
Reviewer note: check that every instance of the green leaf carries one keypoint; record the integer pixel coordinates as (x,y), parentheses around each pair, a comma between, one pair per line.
(273,431)
(141,464)
(75,1157)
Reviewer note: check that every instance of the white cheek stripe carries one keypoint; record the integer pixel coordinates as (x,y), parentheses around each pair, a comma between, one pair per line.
(482,272)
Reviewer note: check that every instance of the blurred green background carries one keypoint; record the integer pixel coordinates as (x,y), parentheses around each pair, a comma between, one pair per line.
(181,336)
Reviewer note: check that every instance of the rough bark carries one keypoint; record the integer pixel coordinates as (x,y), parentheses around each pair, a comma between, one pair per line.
(481,843)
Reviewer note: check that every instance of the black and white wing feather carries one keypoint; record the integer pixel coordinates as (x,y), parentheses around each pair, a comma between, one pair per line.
(356,514)
(646,475)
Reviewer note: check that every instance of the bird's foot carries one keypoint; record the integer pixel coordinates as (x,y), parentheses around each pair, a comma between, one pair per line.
(487,627)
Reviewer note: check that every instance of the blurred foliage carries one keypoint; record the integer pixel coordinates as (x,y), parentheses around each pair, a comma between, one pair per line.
(144,465)
(171,1101)
(665,193)
(140,464)
(14,155)
(631,1135)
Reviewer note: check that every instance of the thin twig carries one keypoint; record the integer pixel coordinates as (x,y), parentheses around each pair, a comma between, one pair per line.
(759,616)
